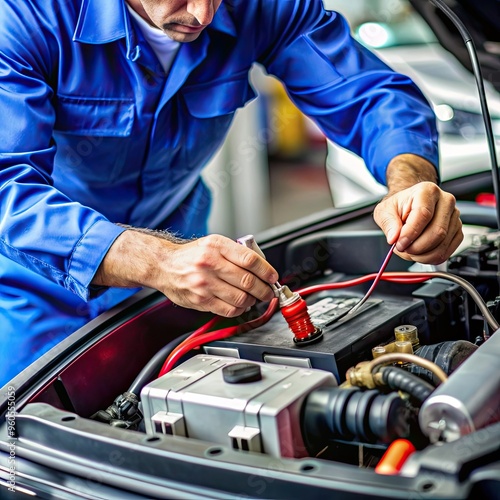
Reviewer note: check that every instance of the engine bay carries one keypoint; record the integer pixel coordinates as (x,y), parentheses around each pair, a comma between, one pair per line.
(400,398)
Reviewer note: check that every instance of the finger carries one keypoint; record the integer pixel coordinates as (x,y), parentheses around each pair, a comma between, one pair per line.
(214,246)
(439,232)
(246,270)
(221,278)
(228,271)
(241,293)
(387,218)
(249,260)
(422,211)
(231,271)
(212,303)
(244,282)
(440,253)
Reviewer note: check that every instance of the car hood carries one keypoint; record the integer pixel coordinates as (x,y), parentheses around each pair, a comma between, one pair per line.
(482,20)
(442,78)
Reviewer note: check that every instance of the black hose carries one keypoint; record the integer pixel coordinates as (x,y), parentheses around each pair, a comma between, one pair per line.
(153,367)
(401,380)
(352,414)
(476,70)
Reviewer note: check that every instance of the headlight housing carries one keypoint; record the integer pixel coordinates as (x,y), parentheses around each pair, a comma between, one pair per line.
(458,122)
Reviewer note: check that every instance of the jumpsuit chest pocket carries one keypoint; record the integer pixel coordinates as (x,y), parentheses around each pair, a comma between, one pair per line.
(218,98)
(210,109)
(93,136)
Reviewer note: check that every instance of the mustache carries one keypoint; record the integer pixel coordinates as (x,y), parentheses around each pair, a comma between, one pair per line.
(185,21)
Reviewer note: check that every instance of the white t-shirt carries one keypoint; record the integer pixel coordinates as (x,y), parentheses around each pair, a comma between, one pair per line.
(164,47)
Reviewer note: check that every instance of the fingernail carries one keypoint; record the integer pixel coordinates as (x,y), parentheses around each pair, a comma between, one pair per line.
(403,244)
(273,279)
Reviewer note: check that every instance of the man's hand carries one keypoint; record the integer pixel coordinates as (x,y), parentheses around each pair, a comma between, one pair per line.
(213,273)
(418,215)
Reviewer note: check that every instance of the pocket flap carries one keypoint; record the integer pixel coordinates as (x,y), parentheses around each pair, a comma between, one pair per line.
(218,98)
(94,116)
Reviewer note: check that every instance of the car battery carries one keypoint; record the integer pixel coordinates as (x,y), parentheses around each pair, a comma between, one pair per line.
(346,339)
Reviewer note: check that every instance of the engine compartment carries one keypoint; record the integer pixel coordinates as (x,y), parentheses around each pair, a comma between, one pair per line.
(363,410)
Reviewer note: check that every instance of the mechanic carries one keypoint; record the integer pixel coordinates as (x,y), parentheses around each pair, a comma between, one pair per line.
(112,109)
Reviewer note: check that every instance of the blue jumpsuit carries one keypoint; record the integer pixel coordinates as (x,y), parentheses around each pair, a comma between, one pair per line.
(94,133)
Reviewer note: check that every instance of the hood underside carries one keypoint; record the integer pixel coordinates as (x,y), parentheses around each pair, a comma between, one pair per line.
(482,20)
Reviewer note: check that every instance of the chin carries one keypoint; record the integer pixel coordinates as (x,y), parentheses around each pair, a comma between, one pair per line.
(182,37)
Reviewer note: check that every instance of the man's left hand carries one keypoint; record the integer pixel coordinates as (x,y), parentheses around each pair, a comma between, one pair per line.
(423,220)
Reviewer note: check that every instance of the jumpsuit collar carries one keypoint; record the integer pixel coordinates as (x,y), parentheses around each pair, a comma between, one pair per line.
(103,22)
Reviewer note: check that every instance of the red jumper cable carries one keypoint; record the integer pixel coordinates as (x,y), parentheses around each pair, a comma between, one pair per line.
(293,307)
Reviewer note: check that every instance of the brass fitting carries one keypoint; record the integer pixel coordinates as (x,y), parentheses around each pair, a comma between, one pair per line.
(404,333)
(361,375)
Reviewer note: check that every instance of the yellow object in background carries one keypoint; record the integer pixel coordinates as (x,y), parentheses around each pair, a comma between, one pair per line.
(288,137)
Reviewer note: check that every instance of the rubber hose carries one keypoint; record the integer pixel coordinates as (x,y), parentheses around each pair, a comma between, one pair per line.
(153,366)
(399,379)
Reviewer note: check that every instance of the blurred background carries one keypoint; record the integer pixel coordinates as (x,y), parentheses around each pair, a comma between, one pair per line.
(276,165)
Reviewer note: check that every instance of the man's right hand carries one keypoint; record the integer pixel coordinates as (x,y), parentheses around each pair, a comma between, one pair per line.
(213,273)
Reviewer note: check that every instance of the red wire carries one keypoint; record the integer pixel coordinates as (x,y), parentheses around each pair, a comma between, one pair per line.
(375,281)
(199,337)
(206,327)
(194,341)
(395,277)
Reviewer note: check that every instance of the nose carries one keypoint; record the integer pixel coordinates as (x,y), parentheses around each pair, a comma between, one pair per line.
(202,10)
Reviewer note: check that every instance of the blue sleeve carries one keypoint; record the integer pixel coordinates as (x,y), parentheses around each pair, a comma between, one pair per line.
(356,100)
(40,228)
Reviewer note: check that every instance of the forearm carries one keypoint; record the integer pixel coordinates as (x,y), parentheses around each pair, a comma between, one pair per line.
(135,258)
(407,170)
